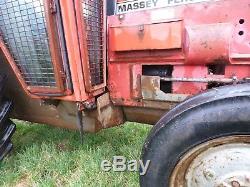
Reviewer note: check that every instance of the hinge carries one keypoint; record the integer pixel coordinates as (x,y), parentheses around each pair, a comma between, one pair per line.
(53,7)
(63,75)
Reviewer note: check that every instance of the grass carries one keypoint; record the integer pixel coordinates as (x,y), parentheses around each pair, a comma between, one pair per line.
(47,156)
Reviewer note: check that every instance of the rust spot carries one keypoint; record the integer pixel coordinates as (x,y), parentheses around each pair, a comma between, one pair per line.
(204,44)
(149,84)
(220,60)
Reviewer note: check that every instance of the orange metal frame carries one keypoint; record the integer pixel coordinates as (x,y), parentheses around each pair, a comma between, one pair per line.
(84,50)
(55,56)
(74,32)
(74,36)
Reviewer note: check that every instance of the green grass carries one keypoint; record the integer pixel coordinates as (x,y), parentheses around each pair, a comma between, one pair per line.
(47,156)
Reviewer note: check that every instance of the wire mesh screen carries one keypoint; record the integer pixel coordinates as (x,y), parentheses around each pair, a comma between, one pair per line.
(23,29)
(93,17)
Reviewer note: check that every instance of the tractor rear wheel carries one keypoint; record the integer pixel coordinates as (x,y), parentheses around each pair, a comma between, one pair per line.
(203,142)
(7,127)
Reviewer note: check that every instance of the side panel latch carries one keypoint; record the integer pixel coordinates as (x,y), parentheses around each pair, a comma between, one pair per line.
(53,7)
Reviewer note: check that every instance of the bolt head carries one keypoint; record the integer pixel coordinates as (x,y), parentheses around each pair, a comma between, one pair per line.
(235,184)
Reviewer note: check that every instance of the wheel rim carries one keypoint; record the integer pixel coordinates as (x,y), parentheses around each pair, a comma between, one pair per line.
(223,162)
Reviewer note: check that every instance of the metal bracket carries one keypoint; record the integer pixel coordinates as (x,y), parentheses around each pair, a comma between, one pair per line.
(79,119)
(53,7)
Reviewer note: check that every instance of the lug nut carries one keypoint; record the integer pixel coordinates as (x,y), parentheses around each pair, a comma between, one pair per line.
(248,178)
(235,184)
(121,17)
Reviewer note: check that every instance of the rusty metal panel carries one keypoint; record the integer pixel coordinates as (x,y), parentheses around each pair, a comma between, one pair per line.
(151,90)
(94,25)
(146,37)
(213,36)
(23,29)
(108,114)
(189,88)
(210,41)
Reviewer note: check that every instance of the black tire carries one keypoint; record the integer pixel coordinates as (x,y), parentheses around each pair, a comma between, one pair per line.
(7,127)
(217,113)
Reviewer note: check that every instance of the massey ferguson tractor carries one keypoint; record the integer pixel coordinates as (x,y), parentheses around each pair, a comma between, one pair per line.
(94,64)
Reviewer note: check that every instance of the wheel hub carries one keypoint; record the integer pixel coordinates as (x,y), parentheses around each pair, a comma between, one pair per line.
(223,162)
(236,179)
(225,165)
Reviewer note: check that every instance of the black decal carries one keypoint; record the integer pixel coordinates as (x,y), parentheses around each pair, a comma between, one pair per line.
(177,1)
(155,2)
(122,8)
(170,1)
(142,4)
(129,7)
(136,6)
(148,4)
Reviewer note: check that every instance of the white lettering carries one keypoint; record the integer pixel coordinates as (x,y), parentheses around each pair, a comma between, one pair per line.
(144,168)
(119,164)
(106,165)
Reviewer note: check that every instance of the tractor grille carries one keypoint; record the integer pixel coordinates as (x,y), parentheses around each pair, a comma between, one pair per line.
(93,17)
(23,29)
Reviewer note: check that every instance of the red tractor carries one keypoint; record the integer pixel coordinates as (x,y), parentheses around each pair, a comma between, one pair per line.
(94,64)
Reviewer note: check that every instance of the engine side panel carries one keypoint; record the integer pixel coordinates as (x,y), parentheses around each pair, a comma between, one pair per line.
(180,49)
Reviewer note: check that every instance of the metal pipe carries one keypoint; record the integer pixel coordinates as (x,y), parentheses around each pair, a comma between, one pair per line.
(201,80)
(79,120)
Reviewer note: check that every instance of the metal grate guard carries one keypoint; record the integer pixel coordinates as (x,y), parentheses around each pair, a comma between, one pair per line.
(93,18)
(23,29)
